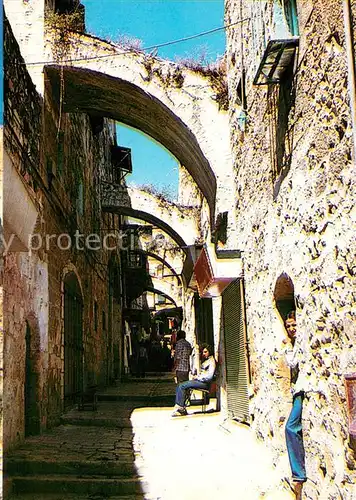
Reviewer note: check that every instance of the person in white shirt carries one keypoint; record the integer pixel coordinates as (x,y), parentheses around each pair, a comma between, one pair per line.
(201,381)
(293,429)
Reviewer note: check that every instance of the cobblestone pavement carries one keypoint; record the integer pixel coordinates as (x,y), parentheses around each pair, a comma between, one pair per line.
(132,448)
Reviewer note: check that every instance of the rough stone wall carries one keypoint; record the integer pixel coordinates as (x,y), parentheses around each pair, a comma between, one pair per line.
(185,220)
(53,153)
(27,21)
(301,223)
(84,156)
(21,131)
(1,316)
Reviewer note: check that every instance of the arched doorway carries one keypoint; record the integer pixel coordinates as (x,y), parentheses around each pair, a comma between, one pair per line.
(73,339)
(32,407)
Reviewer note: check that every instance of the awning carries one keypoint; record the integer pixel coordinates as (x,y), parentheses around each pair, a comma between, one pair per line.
(192,254)
(210,285)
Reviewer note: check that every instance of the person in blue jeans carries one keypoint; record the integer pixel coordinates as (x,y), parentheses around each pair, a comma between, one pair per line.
(201,381)
(293,429)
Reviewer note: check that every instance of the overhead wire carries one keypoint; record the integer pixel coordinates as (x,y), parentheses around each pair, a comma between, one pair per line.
(144,49)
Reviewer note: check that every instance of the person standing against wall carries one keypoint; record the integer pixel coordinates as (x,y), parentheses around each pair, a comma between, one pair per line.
(182,354)
(293,429)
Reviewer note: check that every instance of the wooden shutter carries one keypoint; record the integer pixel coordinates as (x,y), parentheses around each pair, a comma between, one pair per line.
(237,369)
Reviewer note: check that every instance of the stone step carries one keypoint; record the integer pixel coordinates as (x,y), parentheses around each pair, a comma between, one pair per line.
(26,467)
(93,421)
(60,485)
(149,378)
(148,400)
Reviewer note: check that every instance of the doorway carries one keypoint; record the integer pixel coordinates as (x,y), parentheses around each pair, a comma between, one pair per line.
(73,339)
(32,419)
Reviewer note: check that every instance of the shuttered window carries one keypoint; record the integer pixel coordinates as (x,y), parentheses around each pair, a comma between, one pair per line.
(237,368)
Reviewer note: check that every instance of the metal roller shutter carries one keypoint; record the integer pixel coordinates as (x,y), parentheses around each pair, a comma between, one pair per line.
(236,352)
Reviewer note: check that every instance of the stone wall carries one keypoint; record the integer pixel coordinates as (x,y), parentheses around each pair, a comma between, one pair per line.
(299,221)
(59,159)
(27,21)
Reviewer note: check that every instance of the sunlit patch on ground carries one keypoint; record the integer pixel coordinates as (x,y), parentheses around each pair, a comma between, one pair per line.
(193,457)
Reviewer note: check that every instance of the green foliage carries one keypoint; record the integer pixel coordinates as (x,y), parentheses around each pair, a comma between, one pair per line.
(64,22)
(63,25)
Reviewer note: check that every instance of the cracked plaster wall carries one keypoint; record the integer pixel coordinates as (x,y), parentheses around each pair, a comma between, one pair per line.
(306,230)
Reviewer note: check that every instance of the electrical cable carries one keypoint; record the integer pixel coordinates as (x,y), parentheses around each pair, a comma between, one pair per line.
(144,49)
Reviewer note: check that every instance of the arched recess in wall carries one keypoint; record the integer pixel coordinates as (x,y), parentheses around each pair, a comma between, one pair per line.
(96,93)
(283,295)
(72,338)
(32,376)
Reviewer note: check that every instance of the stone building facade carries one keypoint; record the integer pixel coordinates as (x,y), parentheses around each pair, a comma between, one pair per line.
(293,150)
(61,311)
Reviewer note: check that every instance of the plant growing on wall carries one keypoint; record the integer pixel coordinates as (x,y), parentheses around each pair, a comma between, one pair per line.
(63,25)
(215,72)
(165,195)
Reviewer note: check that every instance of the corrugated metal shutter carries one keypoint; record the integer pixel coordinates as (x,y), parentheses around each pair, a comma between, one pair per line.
(236,351)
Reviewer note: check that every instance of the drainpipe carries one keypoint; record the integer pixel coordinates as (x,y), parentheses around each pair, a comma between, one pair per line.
(351,66)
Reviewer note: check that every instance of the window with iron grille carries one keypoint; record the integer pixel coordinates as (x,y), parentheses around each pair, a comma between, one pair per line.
(281,99)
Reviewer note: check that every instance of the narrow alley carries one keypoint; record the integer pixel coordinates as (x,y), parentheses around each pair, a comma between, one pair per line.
(131,448)
(176,217)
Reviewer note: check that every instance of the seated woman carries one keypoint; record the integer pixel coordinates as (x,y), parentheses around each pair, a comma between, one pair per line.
(201,381)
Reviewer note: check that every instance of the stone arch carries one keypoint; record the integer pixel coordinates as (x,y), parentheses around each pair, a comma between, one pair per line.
(100,91)
(163,262)
(170,289)
(71,268)
(152,219)
(151,289)
(283,295)
(182,224)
